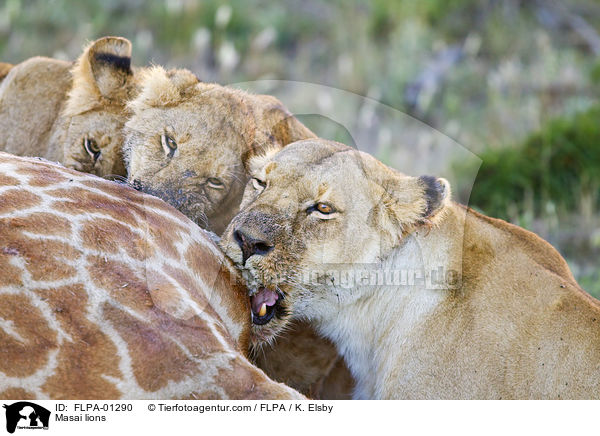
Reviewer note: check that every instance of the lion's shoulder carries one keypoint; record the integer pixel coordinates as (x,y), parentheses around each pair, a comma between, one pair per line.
(31,97)
(37,73)
(506,236)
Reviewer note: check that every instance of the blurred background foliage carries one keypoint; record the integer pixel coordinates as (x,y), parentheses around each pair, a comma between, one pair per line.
(514,81)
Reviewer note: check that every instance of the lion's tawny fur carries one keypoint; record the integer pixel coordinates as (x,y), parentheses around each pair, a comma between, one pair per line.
(49,107)
(485,310)
(216,130)
(213,130)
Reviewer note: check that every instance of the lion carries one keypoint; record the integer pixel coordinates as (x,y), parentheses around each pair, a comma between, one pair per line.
(423,297)
(188,142)
(72,113)
(306,361)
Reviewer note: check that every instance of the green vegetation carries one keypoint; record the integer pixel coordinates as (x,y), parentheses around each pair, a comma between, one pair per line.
(554,169)
(487,73)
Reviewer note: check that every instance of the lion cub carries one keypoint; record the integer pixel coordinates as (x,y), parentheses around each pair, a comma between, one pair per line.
(188,142)
(423,297)
(70,113)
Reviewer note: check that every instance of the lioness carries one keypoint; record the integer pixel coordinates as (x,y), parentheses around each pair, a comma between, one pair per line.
(188,142)
(71,113)
(489,310)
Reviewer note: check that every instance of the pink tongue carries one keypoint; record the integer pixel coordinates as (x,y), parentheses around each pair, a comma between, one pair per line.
(264,295)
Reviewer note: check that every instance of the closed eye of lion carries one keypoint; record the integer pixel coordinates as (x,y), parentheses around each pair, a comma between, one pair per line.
(95,112)
(485,309)
(68,112)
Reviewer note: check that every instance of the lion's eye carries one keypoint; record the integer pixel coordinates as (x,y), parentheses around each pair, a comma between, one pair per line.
(323,209)
(215,183)
(91,148)
(258,184)
(168,144)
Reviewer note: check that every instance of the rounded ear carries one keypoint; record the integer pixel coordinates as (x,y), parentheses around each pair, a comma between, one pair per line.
(102,75)
(110,63)
(276,126)
(160,88)
(405,202)
(182,79)
(436,193)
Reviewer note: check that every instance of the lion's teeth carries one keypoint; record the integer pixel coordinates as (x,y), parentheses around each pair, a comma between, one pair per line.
(263,310)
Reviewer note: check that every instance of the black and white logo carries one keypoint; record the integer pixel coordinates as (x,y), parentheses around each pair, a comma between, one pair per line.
(26,415)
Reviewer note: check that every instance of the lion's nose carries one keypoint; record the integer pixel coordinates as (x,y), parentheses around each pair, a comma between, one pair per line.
(251,245)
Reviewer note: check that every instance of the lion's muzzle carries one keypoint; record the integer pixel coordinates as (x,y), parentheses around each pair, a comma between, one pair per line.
(250,244)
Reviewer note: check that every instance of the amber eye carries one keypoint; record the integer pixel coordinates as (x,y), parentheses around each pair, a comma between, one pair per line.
(323,209)
(168,144)
(214,183)
(91,148)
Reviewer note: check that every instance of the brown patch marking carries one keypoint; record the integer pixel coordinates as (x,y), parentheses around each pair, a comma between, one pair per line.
(131,195)
(41,223)
(83,362)
(167,297)
(113,189)
(109,236)
(16,394)
(191,286)
(155,357)
(76,200)
(79,200)
(227,283)
(8,180)
(16,199)
(168,300)
(18,359)
(45,258)
(122,283)
(165,232)
(41,175)
(11,275)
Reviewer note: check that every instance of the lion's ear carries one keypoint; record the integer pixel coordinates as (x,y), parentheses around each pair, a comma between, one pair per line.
(437,194)
(276,127)
(102,75)
(160,88)
(257,163)
(406,202)
(110,64)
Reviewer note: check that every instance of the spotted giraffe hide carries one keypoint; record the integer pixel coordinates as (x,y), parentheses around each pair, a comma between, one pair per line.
(109,293)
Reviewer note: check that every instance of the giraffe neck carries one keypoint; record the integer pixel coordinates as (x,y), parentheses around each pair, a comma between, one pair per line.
(108,293)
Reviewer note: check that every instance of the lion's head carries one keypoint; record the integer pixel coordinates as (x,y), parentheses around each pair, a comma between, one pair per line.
(314,208)
(95,111)
(188,142)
